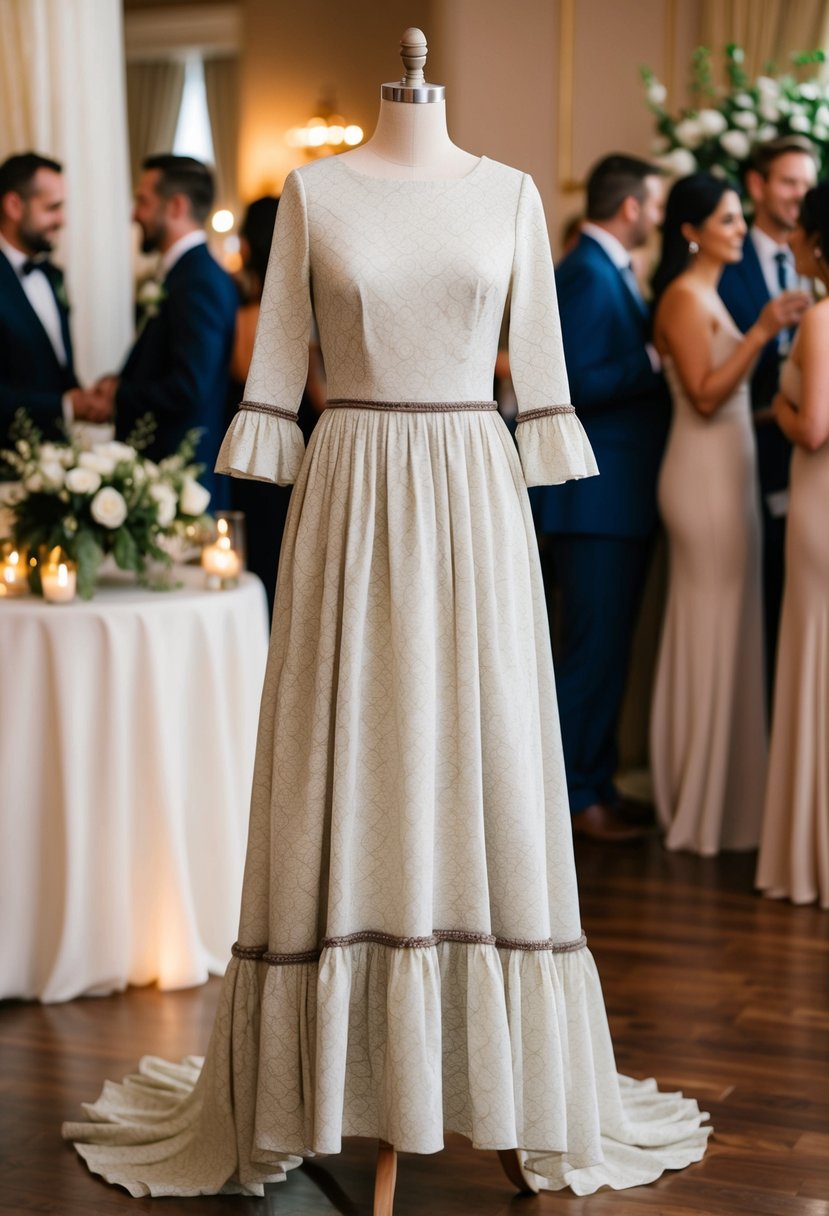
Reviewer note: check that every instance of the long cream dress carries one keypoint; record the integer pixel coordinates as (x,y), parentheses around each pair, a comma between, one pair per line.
(708,730)
(794,851)
(410,957)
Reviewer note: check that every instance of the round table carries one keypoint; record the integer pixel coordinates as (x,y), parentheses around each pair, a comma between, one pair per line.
(127,735)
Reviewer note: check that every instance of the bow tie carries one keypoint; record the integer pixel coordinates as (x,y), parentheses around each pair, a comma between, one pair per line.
(35,264)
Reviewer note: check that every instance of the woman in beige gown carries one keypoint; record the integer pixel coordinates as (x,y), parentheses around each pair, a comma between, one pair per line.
(708,730)
(794,853)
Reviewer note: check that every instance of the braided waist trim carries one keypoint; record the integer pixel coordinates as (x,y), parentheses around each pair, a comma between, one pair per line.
(459,936)
(411,407)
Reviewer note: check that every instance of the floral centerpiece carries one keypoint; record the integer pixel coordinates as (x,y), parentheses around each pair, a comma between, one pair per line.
(717,133)
(107,500)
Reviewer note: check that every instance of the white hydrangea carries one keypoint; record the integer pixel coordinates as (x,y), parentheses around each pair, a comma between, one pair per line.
(736,144)
(809,90)
(711,122)
(744,100)
(769,111)
(657,93)
(820,132)
(678,163)
(767,86)
(108,508)
(822,115)
(83,481)
(194,497)
(165,499)
(745,119)
(800,123)
(689,133)
(766,133)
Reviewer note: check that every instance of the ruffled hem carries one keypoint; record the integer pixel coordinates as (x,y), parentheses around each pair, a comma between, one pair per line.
(261,446)
(554,448)
(506,1047)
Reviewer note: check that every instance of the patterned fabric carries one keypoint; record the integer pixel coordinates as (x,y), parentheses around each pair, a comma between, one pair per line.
(410,957)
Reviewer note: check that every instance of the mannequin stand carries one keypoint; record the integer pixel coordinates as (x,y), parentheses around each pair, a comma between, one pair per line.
(385,1176)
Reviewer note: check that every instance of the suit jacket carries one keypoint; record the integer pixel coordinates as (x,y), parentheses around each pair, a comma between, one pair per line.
(622,403)
(30,374)
(178,368)
(744,292)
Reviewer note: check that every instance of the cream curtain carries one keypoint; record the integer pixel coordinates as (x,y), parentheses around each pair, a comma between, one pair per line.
(154,92)
(767,31)
(221,82)
(62,94)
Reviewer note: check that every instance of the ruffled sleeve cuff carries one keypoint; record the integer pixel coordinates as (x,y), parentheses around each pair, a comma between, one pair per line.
(553,446)
(263,443)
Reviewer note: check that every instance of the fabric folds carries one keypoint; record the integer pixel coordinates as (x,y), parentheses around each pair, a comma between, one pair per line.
(554,448)
(508,1047)
(262,446)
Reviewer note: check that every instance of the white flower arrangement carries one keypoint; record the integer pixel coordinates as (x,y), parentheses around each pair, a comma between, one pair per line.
(720,130)
(110,499)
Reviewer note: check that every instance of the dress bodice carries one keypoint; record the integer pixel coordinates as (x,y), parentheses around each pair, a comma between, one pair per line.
(725,339)
(791,381)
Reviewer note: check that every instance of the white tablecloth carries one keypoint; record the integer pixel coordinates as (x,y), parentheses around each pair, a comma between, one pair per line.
(127,734)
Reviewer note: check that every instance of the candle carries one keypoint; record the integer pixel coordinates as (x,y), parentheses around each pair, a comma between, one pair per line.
(14,571)
(58,580)
(220,562)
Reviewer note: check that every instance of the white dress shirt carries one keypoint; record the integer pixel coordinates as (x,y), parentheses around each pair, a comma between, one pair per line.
(183,245)
(39,293)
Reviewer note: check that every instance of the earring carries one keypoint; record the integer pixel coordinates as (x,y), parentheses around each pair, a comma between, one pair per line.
(693,248)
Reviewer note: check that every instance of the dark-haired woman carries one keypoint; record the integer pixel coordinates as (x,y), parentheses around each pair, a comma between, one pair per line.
(708,730)
(794,853)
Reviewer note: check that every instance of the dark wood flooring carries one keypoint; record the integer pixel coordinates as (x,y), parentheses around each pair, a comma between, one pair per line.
(709,988)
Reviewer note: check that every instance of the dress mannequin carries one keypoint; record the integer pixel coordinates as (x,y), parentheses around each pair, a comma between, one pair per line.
(411,140)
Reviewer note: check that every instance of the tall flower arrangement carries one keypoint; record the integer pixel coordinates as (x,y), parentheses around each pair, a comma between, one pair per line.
(107,500)
(718,131)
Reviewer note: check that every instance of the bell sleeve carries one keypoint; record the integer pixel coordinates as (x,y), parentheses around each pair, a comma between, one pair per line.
(264,441)
(551,440)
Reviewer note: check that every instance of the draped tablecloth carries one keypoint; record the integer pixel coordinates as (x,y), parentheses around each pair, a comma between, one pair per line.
(127,734)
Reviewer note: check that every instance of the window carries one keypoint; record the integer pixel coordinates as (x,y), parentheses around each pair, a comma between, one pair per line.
(193,137)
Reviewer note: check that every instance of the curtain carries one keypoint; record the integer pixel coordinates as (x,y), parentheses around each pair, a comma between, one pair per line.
(768,32)
(221,82)
(154,92)
(62,94)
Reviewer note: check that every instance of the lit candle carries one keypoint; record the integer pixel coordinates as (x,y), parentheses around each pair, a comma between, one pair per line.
(14,572)
(58,578)
(220,561)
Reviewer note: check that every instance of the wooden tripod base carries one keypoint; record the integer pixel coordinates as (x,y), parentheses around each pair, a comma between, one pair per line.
(385,1176)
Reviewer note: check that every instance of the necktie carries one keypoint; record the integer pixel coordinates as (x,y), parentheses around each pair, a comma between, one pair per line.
(632,285)
(786,336)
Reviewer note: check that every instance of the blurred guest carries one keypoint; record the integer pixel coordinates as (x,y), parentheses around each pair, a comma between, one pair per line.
(36,369)
(708,729)
(780,173)
(178,368)
(794,852)
(599,532)
(265,506)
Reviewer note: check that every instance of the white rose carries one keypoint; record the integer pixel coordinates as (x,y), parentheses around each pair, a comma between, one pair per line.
(800,123)
(766,133)
(151,469)
(83,481)
(97,462)
(820,133)
(49,453)
(53,472)
(810,91)
(745,119)
(194,497)
(744,100)
(822,116)
(678,163)
(769,111)
(736,144)
(33,483)
(115,451)
(108,508)
(657,93)
(165,498)
(712,122)
(767,87)
(689,132)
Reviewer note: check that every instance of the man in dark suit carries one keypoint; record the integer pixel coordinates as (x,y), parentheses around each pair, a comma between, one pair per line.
(36,367)
(179,366)
(779,174)
(600,531)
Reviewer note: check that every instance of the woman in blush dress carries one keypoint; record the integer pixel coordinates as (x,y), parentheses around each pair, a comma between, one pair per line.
(708,729)
(794,853)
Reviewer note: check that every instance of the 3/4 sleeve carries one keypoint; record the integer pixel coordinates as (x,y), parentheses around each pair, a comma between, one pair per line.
(264,442)
(551,440)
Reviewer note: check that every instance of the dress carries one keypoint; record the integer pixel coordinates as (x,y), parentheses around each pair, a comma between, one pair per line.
(410,954)
(708,730)
(794,850)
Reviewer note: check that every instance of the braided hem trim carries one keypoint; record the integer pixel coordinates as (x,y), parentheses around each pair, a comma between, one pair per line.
(547,412)
(459,936)
(412,407)
(259,407)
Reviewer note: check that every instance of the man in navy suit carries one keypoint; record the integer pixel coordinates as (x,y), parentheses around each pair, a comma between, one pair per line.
(36,367)
(600,531)
(779,174)
(179,366)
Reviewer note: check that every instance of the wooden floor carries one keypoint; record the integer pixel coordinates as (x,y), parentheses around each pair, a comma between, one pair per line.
(709,988)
